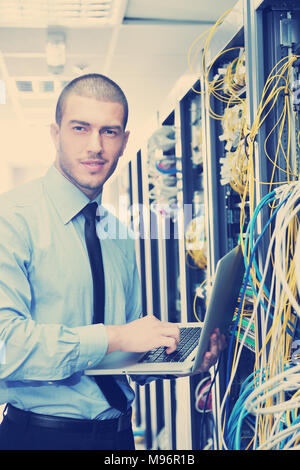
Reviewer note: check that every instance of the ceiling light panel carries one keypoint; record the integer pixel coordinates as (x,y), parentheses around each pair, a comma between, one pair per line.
(39,88)
(73,13)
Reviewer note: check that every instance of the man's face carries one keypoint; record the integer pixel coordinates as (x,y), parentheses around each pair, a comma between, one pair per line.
(89,142)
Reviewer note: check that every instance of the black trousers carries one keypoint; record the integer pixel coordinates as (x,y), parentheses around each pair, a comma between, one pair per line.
(24,435)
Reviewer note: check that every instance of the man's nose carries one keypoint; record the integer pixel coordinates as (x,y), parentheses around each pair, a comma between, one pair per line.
(95,144)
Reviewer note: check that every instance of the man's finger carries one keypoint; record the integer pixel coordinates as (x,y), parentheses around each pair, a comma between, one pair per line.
(170,344)
(207,362)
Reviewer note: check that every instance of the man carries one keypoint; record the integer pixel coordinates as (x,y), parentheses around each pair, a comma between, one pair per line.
(47,300)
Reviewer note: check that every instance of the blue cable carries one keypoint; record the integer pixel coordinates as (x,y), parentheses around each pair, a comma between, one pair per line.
(237,411)
(167,171)
(249,235)
(241,303)
(239,414)
(287,439)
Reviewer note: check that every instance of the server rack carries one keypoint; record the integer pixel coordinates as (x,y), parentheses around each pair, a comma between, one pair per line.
(226,130)
(164,275)
(276,147)
(174,272)
(175,284)
(194,192)
(275,25)
(269,33)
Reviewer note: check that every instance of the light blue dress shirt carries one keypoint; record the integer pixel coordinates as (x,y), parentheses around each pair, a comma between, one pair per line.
(46,300)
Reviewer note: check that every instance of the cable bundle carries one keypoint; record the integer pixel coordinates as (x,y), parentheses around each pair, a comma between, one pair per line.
(234,165)
(162,171)
(267,406)
(269,398)
(195,239)
(226,87)
(265,397)
(284,432)
(203,397)
(235,75)
(277,85)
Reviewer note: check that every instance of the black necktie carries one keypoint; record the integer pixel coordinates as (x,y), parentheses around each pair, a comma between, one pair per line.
(111,390)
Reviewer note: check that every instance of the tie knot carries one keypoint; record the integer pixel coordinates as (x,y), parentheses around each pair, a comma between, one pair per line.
(89,211)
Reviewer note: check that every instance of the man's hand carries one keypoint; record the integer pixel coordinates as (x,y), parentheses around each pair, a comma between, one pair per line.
(217,345)
(142,335)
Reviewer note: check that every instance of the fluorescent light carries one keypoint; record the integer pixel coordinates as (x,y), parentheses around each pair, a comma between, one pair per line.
(56,51)
(39,88)
(41,13)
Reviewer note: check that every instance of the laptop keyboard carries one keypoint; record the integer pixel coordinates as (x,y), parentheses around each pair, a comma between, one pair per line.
(189,338)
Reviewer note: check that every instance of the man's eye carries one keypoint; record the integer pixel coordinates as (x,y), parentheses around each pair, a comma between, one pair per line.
(79,128)
(110,132)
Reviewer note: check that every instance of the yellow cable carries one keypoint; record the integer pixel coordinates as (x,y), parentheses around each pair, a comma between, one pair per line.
(226,89)
(195,299)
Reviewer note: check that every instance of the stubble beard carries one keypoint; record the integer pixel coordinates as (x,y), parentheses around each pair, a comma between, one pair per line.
(66,169)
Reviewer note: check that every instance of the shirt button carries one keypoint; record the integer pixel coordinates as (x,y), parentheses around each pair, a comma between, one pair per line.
(50,383)
(90,363)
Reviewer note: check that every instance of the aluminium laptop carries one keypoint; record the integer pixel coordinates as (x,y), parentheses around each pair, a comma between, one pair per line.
(194,337)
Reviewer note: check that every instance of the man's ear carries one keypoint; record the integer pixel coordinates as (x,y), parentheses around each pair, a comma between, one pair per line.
(54,132)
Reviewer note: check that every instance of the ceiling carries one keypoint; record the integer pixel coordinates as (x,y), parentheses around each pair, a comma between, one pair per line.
(144,50)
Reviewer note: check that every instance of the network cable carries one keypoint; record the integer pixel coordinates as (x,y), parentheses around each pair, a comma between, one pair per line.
(248,267)
(287,207)
(268,406)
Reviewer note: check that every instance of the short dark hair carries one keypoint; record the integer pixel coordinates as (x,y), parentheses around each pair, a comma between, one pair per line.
(92,85)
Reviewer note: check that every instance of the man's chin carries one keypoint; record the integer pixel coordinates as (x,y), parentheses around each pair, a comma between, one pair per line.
(90,189)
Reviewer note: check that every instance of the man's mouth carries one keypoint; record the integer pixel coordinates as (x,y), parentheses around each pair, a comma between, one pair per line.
(93,164)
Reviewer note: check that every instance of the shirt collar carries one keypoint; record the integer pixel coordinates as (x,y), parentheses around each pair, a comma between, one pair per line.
(66,197)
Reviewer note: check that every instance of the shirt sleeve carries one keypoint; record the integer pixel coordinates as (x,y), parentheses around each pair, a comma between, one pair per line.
(31,350)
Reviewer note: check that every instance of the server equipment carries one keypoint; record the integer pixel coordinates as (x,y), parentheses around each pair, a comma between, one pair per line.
(220,168)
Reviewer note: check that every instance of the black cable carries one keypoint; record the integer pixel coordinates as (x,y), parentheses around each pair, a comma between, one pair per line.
(245,145)
(206,401)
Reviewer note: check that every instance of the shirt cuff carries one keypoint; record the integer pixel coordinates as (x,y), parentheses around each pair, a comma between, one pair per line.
(93,345)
